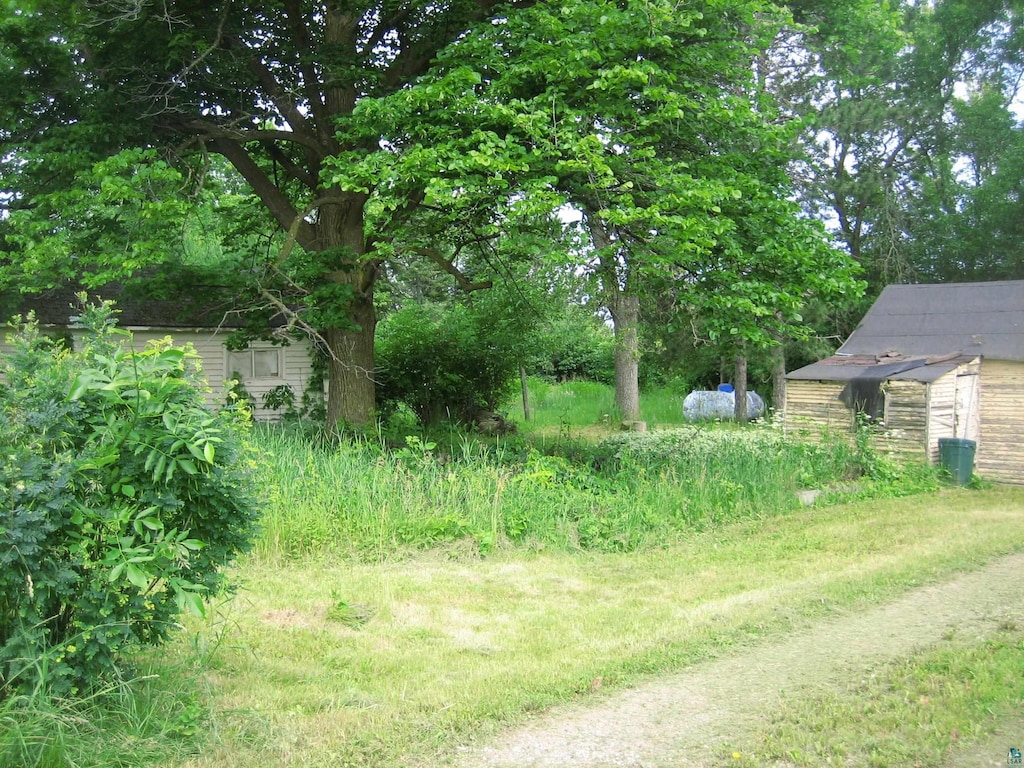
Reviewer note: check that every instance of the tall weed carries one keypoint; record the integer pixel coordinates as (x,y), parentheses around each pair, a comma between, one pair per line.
(632,490)
(146,721)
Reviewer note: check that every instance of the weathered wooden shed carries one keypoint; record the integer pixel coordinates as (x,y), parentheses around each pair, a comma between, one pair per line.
(261,366)
(926,362)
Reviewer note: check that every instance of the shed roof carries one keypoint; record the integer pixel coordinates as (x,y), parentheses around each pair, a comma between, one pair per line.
(891,368)
(939,319)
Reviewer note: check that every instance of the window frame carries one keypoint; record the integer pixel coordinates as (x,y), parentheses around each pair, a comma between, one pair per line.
(249,376)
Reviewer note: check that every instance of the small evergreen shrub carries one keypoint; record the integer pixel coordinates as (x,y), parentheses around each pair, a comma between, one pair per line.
(121,499)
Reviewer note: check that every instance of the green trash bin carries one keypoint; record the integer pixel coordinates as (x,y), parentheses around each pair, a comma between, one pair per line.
(957,456)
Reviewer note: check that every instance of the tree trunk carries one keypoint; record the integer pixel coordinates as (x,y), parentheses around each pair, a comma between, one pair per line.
(351,394)
(526,393)
(779,379)
(740,389)
(625,311)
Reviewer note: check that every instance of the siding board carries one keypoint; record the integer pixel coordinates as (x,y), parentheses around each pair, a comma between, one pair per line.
(1000,453)
(813,409)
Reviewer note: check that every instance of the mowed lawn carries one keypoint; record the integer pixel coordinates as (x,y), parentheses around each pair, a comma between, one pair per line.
(331,662)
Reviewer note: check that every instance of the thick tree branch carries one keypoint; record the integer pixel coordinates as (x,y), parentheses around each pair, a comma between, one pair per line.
(293,169)
(210,130)
(310,80)
(385,26)
(277,203)
(286,106)
(341,33)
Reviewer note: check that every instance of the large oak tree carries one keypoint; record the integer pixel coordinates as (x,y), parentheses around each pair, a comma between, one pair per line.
(262,84)
(653,127)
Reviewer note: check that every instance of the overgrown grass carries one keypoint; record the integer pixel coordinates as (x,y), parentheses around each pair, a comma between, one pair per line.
(630,491)
(566,404)
(156,717)
(662,407)
(577,405)
(913,712)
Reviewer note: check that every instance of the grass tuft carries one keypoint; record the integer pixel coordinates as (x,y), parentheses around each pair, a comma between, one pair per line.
(130,723)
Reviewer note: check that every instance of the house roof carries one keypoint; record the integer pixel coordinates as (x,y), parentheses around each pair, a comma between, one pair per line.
(926,320)
(57,307)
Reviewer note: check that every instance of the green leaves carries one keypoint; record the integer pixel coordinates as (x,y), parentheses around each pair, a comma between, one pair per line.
(121,499)
(451,362)
(894,145)
(117,216)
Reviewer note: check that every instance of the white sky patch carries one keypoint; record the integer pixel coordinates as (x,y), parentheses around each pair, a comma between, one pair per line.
(569,214)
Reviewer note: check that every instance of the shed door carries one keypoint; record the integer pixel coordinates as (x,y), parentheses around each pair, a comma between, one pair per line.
(967,412)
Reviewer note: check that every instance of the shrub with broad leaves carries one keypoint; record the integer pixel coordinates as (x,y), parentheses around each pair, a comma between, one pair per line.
(122,498)
(447,361)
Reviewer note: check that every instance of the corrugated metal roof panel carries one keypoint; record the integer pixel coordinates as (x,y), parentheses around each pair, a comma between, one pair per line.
(846,368)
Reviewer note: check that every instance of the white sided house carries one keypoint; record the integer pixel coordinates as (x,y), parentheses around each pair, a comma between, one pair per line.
(926,362)
(262,367)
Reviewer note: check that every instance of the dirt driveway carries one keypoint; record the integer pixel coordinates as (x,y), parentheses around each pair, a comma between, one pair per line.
(687,719)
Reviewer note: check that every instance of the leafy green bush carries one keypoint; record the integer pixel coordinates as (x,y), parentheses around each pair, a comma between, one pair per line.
(689,445)
(575,344)
(445,362)
(121,498)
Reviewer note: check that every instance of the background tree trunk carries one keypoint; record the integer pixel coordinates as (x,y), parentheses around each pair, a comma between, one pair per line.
(740,388)
(779,379)
(526,393)
(625,311)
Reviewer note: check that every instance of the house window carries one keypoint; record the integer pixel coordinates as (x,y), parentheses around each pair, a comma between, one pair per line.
(256,363)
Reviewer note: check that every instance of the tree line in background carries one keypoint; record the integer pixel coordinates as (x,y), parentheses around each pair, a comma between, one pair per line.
(496,184)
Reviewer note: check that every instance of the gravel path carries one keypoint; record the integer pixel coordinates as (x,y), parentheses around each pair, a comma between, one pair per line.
(683,720)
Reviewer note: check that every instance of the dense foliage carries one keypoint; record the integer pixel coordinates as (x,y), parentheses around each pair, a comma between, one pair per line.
(574,344)
(445,362)
(629,492)
(122,498)
(913,132)
(372,133)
